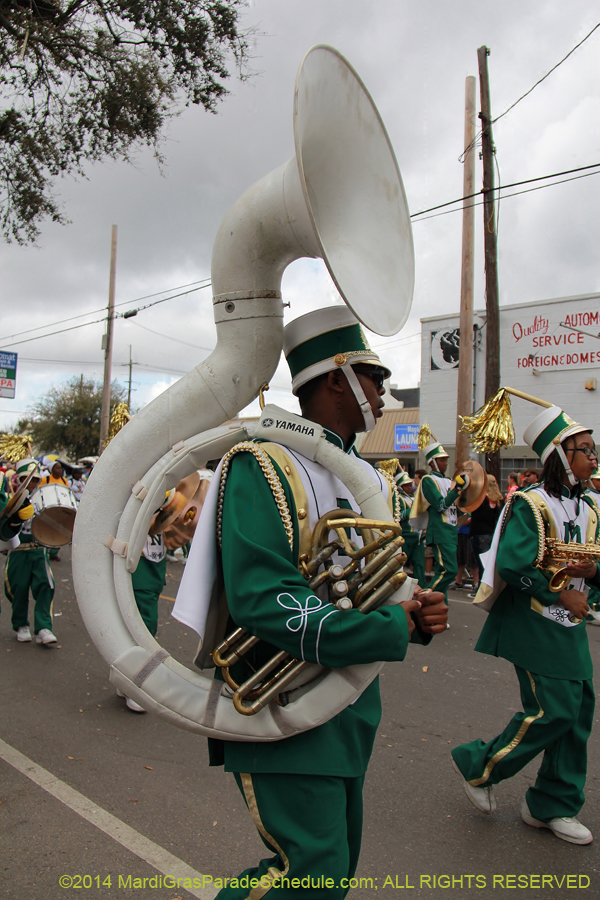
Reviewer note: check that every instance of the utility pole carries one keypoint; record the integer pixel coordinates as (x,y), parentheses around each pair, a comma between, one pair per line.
(492,328)
(464,402)
(107,341)
(129,388)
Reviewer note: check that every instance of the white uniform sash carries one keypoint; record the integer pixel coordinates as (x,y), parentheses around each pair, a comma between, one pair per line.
(568,521)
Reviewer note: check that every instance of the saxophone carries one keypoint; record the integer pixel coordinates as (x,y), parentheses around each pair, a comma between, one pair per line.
(560,554)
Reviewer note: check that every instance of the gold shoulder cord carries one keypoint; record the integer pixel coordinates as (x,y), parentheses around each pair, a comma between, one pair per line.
(397,506)
(539,521)
(272,478)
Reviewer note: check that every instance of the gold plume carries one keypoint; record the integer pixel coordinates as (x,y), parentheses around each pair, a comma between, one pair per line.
(118,420)
(491,427)
(15,447)
(424,437)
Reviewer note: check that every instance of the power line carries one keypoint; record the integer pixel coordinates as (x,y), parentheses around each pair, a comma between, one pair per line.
(178,340)
(553,69)
(526,94)
(91,312)
(95,321)
(505,186)
(515,194)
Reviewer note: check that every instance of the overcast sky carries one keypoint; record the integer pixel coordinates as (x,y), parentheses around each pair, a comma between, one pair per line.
(414,58)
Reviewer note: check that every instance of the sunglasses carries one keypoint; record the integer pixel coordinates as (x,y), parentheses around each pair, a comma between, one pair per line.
(376,375)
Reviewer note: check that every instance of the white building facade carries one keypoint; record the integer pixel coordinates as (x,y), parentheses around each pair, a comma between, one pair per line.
(548,348)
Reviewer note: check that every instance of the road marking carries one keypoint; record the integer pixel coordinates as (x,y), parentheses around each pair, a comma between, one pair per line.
(128,837)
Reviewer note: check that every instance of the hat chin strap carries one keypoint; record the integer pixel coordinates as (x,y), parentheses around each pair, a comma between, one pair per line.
(573,480)
(365,406)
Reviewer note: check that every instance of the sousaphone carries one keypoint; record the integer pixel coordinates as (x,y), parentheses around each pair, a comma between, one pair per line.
(340,198)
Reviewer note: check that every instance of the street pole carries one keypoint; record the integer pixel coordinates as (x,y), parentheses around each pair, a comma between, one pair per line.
(107,341)
(464,402)
(492,327)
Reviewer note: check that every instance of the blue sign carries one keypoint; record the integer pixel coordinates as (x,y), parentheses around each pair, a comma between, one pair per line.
(405,437)
(8,374)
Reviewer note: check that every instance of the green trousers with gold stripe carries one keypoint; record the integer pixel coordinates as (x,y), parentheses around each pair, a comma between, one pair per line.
(445,560)
(27,569)
(312,824)
(556,721)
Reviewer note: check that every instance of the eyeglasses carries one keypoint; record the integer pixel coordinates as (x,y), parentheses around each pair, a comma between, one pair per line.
(587,451)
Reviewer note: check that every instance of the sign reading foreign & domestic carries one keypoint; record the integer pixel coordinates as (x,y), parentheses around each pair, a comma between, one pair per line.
(8,374)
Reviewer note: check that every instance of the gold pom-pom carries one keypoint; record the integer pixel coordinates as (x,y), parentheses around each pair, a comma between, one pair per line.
(118,420)
(15,447)
(389,466)
(424,437)
(491,427)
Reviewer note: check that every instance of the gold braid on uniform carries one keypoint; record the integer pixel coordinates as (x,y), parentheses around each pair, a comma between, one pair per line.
(15,447)
(270,474)
(491,427)
(539,521)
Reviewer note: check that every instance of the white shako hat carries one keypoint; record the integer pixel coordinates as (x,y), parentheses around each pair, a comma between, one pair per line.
(25,466)
(434,450)
(547,431)
(315,343)
(328,339)
(403,478)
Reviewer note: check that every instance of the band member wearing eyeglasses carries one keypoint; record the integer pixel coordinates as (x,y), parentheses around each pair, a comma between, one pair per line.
(543,633)
(304,793)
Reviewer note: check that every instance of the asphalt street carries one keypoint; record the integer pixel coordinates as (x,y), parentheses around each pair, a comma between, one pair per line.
(105,798)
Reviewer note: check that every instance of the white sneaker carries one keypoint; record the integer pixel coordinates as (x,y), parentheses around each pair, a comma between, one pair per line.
(24,634)
(133,706)
(45,636)
(593,617)
(120,693)
(565,828)
(481,797)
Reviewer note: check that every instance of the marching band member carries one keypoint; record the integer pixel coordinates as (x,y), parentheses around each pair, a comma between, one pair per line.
(434,509)
(28,567)
(543,633)
(304,793)
(414,541)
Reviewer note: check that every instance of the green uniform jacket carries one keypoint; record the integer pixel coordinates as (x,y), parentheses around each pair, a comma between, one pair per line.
(266,595)
(439,529)
(515,628)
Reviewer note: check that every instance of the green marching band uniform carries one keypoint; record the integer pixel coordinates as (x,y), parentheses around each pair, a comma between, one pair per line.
(28,567)
(545,642)
(304,793)
(434,509)
(414,541)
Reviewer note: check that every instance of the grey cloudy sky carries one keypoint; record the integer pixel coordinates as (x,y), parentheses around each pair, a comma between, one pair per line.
(413,57)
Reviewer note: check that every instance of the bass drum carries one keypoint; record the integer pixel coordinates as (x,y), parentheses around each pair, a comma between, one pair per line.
(55,508)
